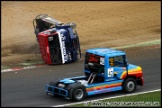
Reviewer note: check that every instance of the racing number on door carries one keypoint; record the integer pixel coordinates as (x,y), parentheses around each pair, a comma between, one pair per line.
(110,72)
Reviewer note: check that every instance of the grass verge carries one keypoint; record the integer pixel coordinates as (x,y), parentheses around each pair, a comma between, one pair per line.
(152,99)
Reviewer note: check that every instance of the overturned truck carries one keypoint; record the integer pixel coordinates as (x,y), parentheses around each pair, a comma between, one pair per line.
(58,42)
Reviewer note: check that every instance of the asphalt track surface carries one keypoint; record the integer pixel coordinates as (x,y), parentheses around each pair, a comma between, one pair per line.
(26,88)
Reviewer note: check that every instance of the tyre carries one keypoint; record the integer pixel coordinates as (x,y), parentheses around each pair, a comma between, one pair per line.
(129,85)
(78,93)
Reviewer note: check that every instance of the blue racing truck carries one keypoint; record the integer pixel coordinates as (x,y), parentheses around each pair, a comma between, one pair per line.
(106,70)
(58,42)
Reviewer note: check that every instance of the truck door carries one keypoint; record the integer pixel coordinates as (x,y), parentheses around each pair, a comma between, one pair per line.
(117,65)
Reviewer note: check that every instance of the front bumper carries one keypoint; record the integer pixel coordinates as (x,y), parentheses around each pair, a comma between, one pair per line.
(56,90)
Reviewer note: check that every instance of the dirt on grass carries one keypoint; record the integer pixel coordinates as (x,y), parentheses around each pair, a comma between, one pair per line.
(99,24)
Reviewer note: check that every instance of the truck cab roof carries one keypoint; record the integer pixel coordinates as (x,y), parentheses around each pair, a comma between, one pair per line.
(105,51)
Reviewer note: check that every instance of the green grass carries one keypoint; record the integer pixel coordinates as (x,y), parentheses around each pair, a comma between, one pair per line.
(152,99)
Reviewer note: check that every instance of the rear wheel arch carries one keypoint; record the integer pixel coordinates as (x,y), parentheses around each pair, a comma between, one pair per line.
(54,82)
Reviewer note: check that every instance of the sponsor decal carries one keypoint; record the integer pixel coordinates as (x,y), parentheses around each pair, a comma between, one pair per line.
(102,61)
(110,72)
(63,38)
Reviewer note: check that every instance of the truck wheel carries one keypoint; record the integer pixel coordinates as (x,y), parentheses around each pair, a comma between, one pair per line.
(129,85)
(78,93)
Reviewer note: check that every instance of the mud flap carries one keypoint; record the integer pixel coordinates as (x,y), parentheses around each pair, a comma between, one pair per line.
(140,81)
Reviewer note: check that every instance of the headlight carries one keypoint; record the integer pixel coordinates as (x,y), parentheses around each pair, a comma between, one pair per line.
(61,85)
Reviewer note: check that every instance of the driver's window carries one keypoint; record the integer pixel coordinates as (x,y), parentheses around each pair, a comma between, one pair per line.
(117,61)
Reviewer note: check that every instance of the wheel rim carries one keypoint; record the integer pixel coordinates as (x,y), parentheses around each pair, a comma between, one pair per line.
(79,94)
(130,86)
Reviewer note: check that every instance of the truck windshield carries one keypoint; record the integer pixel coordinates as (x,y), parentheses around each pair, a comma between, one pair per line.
(54,47)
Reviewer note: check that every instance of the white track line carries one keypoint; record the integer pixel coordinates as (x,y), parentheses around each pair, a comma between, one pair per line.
(21,68)
(106,98)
